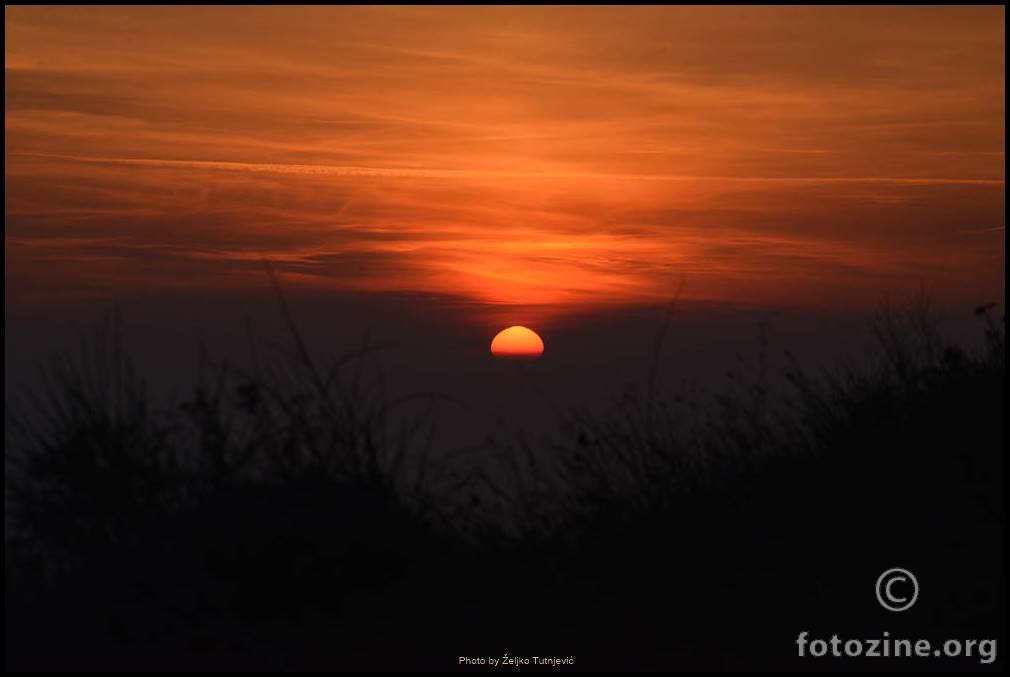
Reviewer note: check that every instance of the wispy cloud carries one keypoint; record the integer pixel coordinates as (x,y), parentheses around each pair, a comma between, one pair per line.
(548,156)
(441,173)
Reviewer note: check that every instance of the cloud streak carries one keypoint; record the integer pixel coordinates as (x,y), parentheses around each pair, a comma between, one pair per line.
(437,173)
(557,157)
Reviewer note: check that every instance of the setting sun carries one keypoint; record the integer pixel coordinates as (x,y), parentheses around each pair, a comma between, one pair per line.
(517,343)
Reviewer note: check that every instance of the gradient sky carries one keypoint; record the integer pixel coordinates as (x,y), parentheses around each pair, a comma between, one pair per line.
(556,158)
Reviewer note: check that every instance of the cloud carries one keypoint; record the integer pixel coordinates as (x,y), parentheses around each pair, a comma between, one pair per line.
(506,155)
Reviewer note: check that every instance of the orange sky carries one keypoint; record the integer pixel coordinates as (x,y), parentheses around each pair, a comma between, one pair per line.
(565,157)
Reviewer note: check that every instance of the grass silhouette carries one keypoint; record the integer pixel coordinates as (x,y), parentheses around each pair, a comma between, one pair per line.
(285,517)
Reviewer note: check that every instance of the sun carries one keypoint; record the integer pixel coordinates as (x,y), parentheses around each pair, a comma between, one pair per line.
(517,343)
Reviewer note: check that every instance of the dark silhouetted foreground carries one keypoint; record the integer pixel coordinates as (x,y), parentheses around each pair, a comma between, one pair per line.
(294,518)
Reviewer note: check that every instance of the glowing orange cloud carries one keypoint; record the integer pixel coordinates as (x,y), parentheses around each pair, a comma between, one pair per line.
(516,157)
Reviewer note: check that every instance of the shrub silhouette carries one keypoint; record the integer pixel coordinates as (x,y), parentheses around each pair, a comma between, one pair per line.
(283,517)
